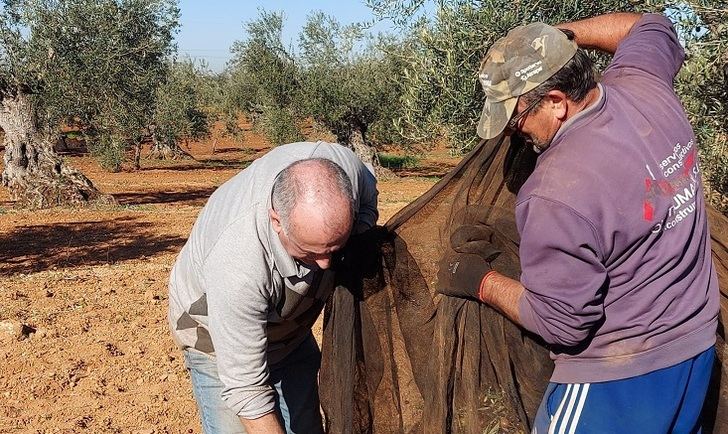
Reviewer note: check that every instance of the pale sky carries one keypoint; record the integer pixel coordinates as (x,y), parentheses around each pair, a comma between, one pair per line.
(208,28)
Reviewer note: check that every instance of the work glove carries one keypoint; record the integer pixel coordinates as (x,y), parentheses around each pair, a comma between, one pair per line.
(462,268)
(362,253)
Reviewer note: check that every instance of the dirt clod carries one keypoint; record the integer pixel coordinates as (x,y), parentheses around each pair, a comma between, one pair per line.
(113,350)
(14,330)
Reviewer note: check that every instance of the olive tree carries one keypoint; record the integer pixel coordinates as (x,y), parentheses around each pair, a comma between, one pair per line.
(442,98)
(263,79)
(348,83)
(703,87)
(181,112)
(95,64)
(441,95)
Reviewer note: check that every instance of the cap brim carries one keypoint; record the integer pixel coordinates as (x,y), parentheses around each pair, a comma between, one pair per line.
(495,116)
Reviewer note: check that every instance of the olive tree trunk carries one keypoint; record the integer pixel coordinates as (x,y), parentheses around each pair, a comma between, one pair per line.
(164,150)
(35,175)
(357,143)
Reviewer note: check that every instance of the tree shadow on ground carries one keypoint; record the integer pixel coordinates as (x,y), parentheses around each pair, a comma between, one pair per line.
(74,152)
(189,197)
(429,169)
(64,245)
(212,164)
(241,149)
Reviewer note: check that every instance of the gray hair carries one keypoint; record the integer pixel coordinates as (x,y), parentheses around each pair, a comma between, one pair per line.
(289,186)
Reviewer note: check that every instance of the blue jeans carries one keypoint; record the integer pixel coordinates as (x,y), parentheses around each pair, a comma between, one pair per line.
(295,380)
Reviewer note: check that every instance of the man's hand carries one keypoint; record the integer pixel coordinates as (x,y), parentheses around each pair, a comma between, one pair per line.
(460,275)
(461,270)
(603,32)
(267,424)
(362,253)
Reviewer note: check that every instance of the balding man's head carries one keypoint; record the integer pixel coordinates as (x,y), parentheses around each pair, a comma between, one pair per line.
(313,206)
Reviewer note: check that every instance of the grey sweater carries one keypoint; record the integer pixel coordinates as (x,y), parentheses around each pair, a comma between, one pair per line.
(229,280)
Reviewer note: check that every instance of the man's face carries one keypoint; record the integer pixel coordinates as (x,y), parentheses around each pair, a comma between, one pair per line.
(313,247)
(539,123)
(309,239)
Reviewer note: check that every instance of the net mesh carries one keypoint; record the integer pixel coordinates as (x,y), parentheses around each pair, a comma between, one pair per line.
(398,358)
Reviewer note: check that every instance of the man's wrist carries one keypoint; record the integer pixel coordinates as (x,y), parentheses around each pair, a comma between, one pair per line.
(603,32)
(502,293)
(269,423)
(483,290)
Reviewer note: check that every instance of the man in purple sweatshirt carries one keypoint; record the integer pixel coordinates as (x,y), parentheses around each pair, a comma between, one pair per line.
(617,275)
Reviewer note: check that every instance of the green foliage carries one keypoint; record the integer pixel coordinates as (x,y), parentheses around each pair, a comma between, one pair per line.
(263,80)
(279,125)
(398,161)
(349,81)
(341,80)
(703,86)
(108,151)
(221,99)
(263,71)
(232,129)
(441,95)
(95,63)
(180,110)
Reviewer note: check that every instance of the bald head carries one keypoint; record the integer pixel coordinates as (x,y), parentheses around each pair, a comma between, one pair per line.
(314,195)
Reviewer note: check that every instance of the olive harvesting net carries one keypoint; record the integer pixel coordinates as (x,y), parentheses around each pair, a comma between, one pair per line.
(400,358)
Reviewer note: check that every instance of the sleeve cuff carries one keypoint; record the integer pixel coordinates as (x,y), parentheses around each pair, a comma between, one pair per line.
(252,404)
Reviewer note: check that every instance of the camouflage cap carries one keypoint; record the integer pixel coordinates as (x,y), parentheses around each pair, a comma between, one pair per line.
(515,64)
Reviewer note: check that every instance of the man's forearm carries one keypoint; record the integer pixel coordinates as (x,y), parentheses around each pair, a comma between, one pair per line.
(502,293)
(267,424)
(603,32)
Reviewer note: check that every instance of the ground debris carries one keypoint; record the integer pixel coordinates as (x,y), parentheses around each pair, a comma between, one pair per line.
(113,350)
(14,330)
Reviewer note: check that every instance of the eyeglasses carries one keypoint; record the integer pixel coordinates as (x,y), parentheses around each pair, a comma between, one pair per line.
(512,124)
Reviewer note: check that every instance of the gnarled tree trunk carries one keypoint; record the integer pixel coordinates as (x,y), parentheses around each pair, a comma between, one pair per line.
(35,175)
(163,150)
(367,154)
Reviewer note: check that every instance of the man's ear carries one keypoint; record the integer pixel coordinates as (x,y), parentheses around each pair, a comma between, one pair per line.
(557,102)
(275,221)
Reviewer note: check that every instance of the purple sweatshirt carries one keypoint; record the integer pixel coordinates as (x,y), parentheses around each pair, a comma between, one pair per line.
(615,248)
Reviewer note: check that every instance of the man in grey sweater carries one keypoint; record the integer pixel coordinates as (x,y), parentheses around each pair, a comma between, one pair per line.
(252,279)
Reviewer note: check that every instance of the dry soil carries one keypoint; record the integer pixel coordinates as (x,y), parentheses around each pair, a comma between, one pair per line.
(86,290)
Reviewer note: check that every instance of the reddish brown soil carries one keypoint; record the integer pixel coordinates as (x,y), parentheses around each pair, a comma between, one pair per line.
(92,284)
